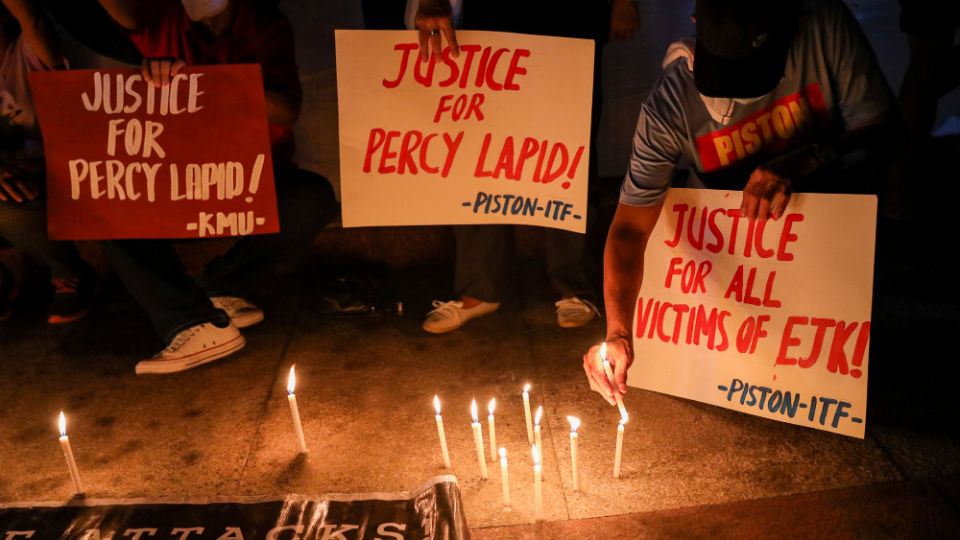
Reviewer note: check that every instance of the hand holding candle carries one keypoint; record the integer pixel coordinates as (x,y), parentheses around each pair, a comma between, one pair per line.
(68,454)
(443,436)
(613,382)
(575,469)
(292,398)
(526,412)
(478,440)
(493,429)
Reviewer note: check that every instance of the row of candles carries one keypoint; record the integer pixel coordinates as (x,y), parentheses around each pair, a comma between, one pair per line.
(533,437)
(75,471)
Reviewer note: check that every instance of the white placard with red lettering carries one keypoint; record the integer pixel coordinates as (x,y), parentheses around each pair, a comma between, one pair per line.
(766,318)
(498,135)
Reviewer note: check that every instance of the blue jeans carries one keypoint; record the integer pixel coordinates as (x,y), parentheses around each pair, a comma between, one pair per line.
(155,276)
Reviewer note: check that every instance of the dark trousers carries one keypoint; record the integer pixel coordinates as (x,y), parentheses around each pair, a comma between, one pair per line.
(155,276)
(24,226)
(483,260)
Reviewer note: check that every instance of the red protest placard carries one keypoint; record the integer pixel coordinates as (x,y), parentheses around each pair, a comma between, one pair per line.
(126,159)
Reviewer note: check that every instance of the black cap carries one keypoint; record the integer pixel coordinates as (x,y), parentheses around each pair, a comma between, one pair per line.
(742,45)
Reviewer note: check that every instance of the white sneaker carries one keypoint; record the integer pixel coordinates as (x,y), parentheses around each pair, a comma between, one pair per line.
(241,312)
(573,312)
(192,347)
(452,315)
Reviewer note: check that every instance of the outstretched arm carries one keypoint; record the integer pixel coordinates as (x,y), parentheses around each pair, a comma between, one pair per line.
(622,275)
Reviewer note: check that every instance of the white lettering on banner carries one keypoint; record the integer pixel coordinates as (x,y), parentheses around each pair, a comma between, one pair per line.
(395,535)
(111,98)
(136,533)
(274,533)
(185,532)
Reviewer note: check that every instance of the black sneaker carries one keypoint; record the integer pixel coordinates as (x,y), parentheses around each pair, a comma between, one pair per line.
(72,299)
(8,291)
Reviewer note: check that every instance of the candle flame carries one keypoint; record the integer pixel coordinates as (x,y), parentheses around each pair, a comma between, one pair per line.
(603,351)
(63,425)
(624,418)
(503,453)
(526,388)
(536,455)
(436,403)
(491,406)
(536,419)
(291,380)
(574,423)
(473,410)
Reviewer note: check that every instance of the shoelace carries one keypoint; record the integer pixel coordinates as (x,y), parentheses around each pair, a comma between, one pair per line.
(65,286)
(448,309)
(182,339)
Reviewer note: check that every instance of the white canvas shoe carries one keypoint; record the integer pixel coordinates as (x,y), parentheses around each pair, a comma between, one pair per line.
(573,312)
(193,347)
(452,315)
(242,313)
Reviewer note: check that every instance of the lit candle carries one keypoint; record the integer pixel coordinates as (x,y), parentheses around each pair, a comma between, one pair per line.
(68,453)
(526,412)
(574,424)
(537,484)
(616,457)
(292,398)
(493,428)
(613,382)
(536,428)
(443,437)
(504,478)
(478,439)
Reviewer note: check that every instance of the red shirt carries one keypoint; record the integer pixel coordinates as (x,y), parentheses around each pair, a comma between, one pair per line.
(259,34)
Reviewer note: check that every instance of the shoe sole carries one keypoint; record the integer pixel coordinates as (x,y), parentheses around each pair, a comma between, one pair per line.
(250,319)
(57,319)
(576,324)
(441,330)
(146,367)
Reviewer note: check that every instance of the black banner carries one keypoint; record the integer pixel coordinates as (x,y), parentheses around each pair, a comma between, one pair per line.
(432,512)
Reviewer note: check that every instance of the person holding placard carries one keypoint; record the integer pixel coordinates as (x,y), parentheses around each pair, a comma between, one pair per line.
(29,44)
(199,320)
(483,252)
(771,97)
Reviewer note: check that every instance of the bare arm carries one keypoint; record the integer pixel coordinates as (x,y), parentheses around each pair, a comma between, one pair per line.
(37,31)
(622,275)
(124,12)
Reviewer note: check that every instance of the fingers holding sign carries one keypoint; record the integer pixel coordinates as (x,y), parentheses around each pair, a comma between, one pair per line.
(159,71)
(434,25)
(765,195)
(619,354)
(16,188)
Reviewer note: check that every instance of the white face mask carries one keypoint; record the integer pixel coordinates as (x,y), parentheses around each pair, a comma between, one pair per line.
(721,109)
(201,9)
